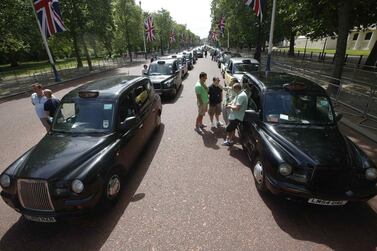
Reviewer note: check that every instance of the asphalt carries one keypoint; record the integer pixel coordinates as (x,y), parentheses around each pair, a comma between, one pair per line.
(186,192)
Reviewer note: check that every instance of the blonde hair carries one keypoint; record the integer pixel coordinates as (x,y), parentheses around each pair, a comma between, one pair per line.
(47,93)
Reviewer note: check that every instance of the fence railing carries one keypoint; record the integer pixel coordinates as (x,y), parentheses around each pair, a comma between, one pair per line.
(359,97)
(20,81)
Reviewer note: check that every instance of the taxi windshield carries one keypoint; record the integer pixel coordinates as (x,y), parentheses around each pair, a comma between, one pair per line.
(160,69)
(292,108)
(240,68)
(84,117)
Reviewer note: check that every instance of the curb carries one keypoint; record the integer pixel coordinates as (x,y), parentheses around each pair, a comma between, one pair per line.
(359,129)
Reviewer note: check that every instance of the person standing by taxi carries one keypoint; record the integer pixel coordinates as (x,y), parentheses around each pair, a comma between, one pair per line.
(215,92)
(201,91)
(38,99)
(237,112)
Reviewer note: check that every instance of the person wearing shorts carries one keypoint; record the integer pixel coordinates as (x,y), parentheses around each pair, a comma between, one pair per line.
(215,93)
(237,112)
(201,91)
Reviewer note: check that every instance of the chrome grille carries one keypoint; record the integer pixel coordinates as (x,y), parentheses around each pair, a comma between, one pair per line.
(157,86)
(34,195)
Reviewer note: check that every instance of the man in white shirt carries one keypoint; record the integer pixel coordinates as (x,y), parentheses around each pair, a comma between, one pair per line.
(38,99)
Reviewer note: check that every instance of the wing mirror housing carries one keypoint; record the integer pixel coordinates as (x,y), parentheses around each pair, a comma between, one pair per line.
(252,115)
(338,117)
(128,123)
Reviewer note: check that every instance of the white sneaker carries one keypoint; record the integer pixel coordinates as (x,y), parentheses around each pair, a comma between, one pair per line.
(219,123)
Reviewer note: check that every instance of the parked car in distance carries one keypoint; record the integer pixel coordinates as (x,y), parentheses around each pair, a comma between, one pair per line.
(189,59)
(166,76)
(183,64)
(238,66)
(291,137)
(97,133)
(225,61)
(199,53)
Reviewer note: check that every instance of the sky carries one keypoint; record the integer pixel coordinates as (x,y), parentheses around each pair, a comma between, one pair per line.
(196,14)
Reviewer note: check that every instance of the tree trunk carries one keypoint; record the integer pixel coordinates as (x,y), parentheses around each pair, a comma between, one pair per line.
(88,59)
(162,50)
(344,12)
(129,45)
(76,50)
(13,60)
(291,51)
(372,58)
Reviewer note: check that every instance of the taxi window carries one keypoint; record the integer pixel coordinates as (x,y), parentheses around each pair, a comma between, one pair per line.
(141,95)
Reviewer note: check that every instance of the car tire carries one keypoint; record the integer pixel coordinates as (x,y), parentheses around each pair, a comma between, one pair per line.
(158,121)
(111,188)
(259,175)
(174,92)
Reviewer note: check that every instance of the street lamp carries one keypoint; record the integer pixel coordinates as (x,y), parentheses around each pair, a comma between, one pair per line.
(145,48)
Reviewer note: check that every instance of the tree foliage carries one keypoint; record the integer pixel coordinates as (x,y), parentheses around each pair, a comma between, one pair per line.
(94,28)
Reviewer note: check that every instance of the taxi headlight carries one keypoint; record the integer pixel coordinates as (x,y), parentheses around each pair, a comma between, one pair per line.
(371,174)
(5,181)
(285,169)
(77,186)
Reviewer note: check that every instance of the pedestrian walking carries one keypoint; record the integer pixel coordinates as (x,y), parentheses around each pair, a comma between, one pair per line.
(205,53)
(237,112)
(201,91)
(215,94)
(51,105)
(38,99)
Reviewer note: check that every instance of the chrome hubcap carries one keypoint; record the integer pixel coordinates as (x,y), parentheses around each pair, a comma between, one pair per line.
(258,172)
(113,186)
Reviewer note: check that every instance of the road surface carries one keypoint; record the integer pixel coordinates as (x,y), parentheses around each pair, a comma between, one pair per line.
(187,192)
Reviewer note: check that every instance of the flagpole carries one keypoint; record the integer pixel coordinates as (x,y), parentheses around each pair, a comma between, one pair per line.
(228,39)
(268,66)
(145,47)
(56,74)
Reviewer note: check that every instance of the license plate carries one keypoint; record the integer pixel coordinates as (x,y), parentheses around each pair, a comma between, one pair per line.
(40,219)
(327,202)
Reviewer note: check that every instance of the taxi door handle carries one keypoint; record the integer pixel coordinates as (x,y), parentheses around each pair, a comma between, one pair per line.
(141,125)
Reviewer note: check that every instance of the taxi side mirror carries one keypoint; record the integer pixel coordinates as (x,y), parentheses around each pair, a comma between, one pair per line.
(128,123)
(252,116)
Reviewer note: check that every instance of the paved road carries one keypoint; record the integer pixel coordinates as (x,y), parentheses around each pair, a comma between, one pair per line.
(187,192)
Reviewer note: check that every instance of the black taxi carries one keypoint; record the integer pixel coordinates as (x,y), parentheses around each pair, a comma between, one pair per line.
(291,136)
(166,76)
(97,133)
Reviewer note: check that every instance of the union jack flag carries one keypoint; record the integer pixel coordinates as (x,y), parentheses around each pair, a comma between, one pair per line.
(172,36)
(257,6)
(214,36)
(49,17)
(221,25)
(149,29)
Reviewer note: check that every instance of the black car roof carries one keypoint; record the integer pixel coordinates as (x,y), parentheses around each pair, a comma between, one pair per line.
(107,88)
(277,80)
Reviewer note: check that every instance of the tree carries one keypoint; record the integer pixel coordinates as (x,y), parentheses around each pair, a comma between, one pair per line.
(163,24)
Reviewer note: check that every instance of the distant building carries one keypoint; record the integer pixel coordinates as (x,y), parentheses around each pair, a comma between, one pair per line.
(357,40)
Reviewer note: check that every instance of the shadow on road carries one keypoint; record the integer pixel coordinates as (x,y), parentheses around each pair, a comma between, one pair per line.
(211,137)
(87,233)
(352,227)
(170,100)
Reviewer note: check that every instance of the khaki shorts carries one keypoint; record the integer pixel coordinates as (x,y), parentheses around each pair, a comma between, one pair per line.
(215,109)
(202,109)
